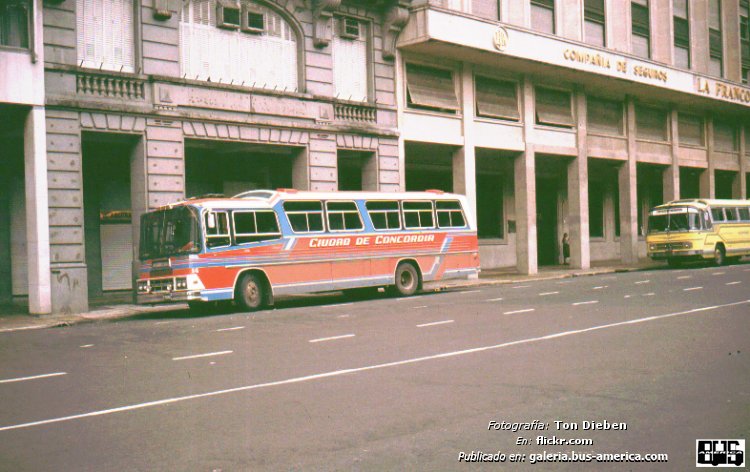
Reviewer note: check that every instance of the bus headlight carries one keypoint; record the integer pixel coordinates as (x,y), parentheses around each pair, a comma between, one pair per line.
(143,286)
(180,283)
(687,245)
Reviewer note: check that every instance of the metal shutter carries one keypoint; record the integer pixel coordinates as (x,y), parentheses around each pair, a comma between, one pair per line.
(496,98)
(651,123)
(605,116)
(350,66)
(105,34)
(690,129)
(117,256)
(553,107)
(724,137)
(430,87)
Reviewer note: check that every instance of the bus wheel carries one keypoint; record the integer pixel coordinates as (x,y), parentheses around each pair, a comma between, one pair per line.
(407,279)
(719,256)
(250,292)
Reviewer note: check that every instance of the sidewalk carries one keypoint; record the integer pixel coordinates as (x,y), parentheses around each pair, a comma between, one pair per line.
(12,318)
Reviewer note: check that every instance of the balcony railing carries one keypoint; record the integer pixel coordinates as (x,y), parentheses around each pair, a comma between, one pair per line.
(354,113)
(110,86)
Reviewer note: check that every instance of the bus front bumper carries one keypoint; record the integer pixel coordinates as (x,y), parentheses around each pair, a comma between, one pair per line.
(673,254)
(168,297)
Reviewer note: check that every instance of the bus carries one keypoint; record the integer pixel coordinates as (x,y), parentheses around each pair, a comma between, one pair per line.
(260,244)
(699,229)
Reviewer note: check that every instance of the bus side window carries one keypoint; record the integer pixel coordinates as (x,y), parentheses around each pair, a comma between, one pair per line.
(384,214)
(706,220)
(717,214)
(449,214)
(217,229)
(418,214)
(745,214)
(343,216)
(254,226)
(305,216)
(731,214)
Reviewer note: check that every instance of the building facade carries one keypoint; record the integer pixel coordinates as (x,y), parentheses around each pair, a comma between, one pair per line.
(552,116)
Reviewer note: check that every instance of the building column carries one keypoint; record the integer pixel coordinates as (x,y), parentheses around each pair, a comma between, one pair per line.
(708,177)
(400,85)
(464,158)
(743,163)
(524,173)
(138,201)
(37,213)
(671,176)
(578,192)
(627,179)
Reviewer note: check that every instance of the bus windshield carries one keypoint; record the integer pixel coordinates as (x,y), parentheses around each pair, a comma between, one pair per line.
(674,221)
(170,232)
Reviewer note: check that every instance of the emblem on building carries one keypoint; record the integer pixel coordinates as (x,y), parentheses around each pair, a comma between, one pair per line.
(500,39)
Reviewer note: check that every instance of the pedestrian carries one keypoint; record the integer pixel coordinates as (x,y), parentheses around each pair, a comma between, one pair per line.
(565,248)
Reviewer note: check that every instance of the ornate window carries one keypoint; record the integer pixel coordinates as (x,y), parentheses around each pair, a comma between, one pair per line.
(105,34)
(242,43)
(14,23)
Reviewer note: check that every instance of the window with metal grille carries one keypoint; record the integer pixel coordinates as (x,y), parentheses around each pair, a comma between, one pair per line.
(641,28)
(305,216)
(417,214)
(217,228)
(14,23)
(384,214)
(553,107)
(596,210)
(745,39)
(350,77)
(449,214)
(430,88)
(255,226)
(605,116)
(343,216)
(105,34)
(715,40)
(651,124)
(496,98)
(594,22)
(690,130)
(681,25)
(543,16)
(725,136)
(266,58)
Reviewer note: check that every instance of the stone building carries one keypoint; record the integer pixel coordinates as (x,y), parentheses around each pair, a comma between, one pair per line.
(552,116)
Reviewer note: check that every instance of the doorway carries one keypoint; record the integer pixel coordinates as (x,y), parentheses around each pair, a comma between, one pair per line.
(546,220)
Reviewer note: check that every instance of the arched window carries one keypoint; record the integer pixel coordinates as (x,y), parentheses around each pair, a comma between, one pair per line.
(238,42)
(105,34)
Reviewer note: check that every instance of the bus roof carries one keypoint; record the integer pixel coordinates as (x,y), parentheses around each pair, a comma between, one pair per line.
(703,203)
(268,198)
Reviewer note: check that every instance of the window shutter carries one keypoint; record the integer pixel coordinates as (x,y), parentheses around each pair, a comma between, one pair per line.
(431,87)
(350,66)
(105,34)
(690,129)
(605,116)
(651,123)
(553,107)
(724,137)
(496,98)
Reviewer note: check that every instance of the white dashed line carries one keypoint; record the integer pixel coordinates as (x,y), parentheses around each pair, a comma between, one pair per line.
(649,294)
(334,305)
(434,323)
(361,369)
(87,345)
(522,286)
(343,316)
(33,377)
(494,299)
(682,277)
(420,306)
(733,283)
(234,328)
(590,302)
(718,273)
(601,287)
(331,338)
(627,296)
(196,356)
(642,282)
(162,322)
(544,294)
(691,288)
(518,311)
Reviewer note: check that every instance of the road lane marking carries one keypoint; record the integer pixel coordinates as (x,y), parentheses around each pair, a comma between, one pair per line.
(628,296)
(234,328)
(33,377)
(355,370)
(420,306)
(601,287)
(494,299)
(522,286)
(434,323)
(649,294)
(733,283)
(334,305)
(343,316)
(691,288)
(162,322)
(471,291)
(718,273)
(590,302)
(682,277)
(518,311)
(87,345)
(21,328)
(331,338)
(196,356)
(544,294)
(642,282)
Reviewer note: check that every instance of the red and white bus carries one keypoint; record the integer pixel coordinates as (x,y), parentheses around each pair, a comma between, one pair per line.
(261,244)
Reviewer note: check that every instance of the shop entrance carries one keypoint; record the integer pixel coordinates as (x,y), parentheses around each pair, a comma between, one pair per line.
(429,166)
(13,258)
(546,220)
(107,208)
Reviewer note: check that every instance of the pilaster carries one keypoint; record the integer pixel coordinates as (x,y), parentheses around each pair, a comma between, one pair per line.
(578,192)
(627,178)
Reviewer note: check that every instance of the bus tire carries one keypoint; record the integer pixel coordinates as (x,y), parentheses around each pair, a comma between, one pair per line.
(407,279)
(251,292)
(719,255)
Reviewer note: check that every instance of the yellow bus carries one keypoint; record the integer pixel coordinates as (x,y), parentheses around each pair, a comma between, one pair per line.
(699,229)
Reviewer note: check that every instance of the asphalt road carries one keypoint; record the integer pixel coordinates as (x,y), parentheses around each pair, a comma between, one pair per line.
(392,384)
